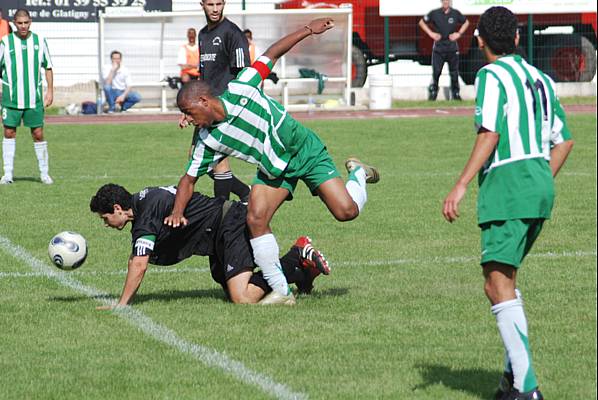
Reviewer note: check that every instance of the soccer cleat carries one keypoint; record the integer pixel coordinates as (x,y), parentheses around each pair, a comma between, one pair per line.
(504,385)
(313,263)
(514,394)
(371,174)
(276,298)
(46,180)
(457,96)
(6,180)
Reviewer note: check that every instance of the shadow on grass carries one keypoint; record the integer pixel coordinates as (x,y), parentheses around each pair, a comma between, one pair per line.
(169,295)
(25,179)
(331,292)
(478,382)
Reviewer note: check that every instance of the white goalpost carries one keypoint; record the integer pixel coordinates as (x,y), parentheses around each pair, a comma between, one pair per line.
(149,42)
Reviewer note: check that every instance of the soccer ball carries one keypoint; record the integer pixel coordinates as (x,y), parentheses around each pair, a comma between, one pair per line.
(68,250)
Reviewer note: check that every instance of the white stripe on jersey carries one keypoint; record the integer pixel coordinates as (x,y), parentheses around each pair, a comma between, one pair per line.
(143,247)
(489,114)
(46,53)
(30,68)
(20,82)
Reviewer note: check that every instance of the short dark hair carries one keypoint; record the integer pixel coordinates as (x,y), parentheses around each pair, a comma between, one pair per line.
(21,12)
(109,195)
(498,28)
(115,52)
(192,90)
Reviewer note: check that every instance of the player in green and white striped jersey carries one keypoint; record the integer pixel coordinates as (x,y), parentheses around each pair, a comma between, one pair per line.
(23,54)
(522,142)
(247,124)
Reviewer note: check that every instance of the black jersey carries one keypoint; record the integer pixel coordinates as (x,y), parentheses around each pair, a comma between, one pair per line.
(166,245)
(445,24)
(224,51)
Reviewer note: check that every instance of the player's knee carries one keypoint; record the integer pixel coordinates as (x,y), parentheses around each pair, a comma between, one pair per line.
(241,298)
(257,221)
(346,212)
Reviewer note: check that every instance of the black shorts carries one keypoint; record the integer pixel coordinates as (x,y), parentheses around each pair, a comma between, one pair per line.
(233,250)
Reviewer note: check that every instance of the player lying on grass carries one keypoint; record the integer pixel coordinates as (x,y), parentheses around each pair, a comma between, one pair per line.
(247,124)
(215,228)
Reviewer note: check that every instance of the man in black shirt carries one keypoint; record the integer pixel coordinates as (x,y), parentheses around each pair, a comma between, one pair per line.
(224,52)
(216,228)
(449,25)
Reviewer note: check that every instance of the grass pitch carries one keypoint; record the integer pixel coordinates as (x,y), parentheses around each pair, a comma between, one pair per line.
(402,316)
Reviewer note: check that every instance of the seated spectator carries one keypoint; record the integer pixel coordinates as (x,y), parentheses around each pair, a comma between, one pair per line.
(117,85)
(188,58)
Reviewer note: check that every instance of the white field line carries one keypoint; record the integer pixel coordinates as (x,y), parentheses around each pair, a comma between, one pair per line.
(357,263)
(206,355)
(150,271)
(454,260)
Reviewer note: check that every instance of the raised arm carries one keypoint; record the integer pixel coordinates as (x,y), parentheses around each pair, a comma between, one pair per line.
(281,47)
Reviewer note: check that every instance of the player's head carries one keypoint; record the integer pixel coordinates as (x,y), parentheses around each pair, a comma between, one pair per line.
(113,203)
(195,101)
(214,10)
(191,35)
(22,21)
(248,34)
(446,4)
(497,31)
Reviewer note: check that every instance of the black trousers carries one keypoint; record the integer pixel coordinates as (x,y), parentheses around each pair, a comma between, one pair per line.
(439,57)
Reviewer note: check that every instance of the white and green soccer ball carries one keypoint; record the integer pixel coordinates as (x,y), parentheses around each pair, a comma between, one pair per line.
(68,250)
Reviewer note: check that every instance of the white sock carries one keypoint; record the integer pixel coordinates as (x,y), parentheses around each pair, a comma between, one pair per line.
(508,368)
(265,254)
(512,326)
(8,155)
(356,187)
(41,151)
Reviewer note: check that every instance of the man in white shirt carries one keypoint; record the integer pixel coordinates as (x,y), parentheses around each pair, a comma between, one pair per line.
(117,85)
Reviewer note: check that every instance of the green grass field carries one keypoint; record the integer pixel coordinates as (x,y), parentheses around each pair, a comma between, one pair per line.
(402,316)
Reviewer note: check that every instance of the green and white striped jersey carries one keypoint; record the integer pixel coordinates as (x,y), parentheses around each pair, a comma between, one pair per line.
(518,102)
(256,129)
(21,61)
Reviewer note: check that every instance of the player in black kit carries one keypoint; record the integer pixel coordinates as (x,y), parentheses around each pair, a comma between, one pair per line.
(216,228)
(224,52)
(449,25)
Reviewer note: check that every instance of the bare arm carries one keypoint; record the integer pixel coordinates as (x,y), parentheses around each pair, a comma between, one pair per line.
(183,195)
(558,155)
(49,97)
(281,47)
(135,274)
(484,146)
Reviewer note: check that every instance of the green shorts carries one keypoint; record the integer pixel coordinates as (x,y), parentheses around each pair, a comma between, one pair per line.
(31,117)
(312,164)
(508,242)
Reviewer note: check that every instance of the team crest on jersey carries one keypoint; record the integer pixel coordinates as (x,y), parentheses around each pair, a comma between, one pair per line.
(243,101)
(36,47)
(143,193)
(23,47)
(478,110)
(216,41)
(451,20)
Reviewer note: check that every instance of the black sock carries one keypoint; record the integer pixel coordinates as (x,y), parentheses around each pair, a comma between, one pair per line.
(290,266)
(258,280)
(223,184)
(240,189)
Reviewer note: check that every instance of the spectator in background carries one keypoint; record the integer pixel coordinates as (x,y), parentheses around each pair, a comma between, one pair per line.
(449,25)
(24,54)
(249,35)
(188,58)
(5,28)
(117,85)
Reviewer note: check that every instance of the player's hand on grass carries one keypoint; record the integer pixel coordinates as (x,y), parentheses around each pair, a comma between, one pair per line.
(320,25)
(451,202)
(175,220)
